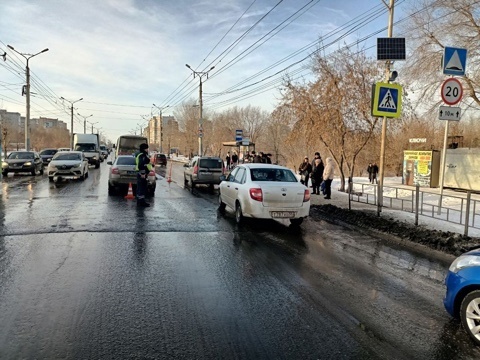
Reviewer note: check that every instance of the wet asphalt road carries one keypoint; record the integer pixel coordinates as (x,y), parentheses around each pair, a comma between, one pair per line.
(85,275)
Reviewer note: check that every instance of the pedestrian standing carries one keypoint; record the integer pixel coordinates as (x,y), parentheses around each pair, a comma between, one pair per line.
(328,174)
(305,169)
(317,173)
(370,172)
(234,160)
(374,173)
(143,167)
(227,160)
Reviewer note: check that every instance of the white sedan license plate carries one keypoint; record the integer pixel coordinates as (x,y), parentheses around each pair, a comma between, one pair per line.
(282,214)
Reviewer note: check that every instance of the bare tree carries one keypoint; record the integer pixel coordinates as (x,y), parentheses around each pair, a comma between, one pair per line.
(276,134)
(434,25)
(336,107)
(187,118)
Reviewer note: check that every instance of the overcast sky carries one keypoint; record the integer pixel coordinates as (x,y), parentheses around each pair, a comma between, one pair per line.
(122,56)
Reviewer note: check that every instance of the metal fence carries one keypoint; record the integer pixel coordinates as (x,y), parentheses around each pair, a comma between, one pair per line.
(462,208)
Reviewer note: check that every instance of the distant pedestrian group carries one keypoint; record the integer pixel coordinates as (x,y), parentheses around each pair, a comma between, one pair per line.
(320,174)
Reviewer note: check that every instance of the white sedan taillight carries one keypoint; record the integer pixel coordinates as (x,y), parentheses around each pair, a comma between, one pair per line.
(256,194)
(306,195)
(114,170)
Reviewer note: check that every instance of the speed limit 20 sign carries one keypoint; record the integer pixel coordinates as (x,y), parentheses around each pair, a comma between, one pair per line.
(452,91)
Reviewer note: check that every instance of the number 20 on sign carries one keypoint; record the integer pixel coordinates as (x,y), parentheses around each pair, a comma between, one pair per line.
(452,91)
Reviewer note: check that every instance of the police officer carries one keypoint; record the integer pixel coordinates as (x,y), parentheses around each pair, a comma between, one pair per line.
(143,167)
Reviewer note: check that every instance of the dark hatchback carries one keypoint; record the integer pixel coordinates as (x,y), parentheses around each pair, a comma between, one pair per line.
(47,155)
(160,160)
(22,161)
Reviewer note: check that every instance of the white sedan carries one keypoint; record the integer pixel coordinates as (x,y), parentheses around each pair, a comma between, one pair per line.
(68,165)
(264,191)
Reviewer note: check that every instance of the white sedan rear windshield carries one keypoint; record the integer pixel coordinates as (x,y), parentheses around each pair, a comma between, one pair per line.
(282,175)
(126,160)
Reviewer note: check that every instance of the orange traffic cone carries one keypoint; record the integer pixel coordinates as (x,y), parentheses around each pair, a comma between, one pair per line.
(130,196)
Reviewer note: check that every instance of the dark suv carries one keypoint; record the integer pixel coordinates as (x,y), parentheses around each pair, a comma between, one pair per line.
(203,170)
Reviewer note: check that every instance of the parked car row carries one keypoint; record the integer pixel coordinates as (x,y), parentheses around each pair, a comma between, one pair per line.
(60,163)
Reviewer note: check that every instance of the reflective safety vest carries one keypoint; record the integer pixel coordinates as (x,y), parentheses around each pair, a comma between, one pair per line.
(142,166)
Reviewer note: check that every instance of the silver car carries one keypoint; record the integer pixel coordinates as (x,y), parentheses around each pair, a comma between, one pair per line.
(122,173)
(203,170)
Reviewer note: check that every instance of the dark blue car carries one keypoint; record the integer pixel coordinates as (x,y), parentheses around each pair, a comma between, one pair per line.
(462,299)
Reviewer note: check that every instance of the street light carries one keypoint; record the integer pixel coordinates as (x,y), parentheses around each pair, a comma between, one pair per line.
(84,122)
(161,126)
(71,118)
(27,117)
(200,74)
(140,124)
(93,124)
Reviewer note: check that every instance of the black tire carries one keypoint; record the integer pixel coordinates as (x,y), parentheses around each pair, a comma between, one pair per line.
(41,170)
(50,178)
(239,218)
(111,190)
(82,177)
(192,185)
(5,173)
(470,305)
(86,174)
(97,165)
(296,222)
(221,205)
(34,171)
(185,181)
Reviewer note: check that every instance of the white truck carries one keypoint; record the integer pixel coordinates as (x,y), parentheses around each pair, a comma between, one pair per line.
(89,144)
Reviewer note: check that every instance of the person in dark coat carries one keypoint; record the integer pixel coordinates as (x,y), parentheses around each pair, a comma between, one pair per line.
(256,157)
(143,167)
(370,172)
(374,173)
(227,160)
(234,160)
(317,174)
(305,169)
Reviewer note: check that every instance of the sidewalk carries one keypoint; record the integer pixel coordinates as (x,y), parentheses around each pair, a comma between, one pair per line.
(340,199)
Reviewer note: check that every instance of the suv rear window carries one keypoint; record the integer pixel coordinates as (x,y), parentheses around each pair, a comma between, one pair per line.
(210,163)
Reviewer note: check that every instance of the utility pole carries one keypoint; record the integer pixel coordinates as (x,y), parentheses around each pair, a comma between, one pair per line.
(71,118)
(200,74)
(84,122)
(160,109)
(93,124)
(384,121)
(27,57)
(1,138)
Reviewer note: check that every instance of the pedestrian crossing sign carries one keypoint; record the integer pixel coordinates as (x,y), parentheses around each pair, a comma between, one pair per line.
(386,100)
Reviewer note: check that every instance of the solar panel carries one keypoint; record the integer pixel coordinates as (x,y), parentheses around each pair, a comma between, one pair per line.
(390,48)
